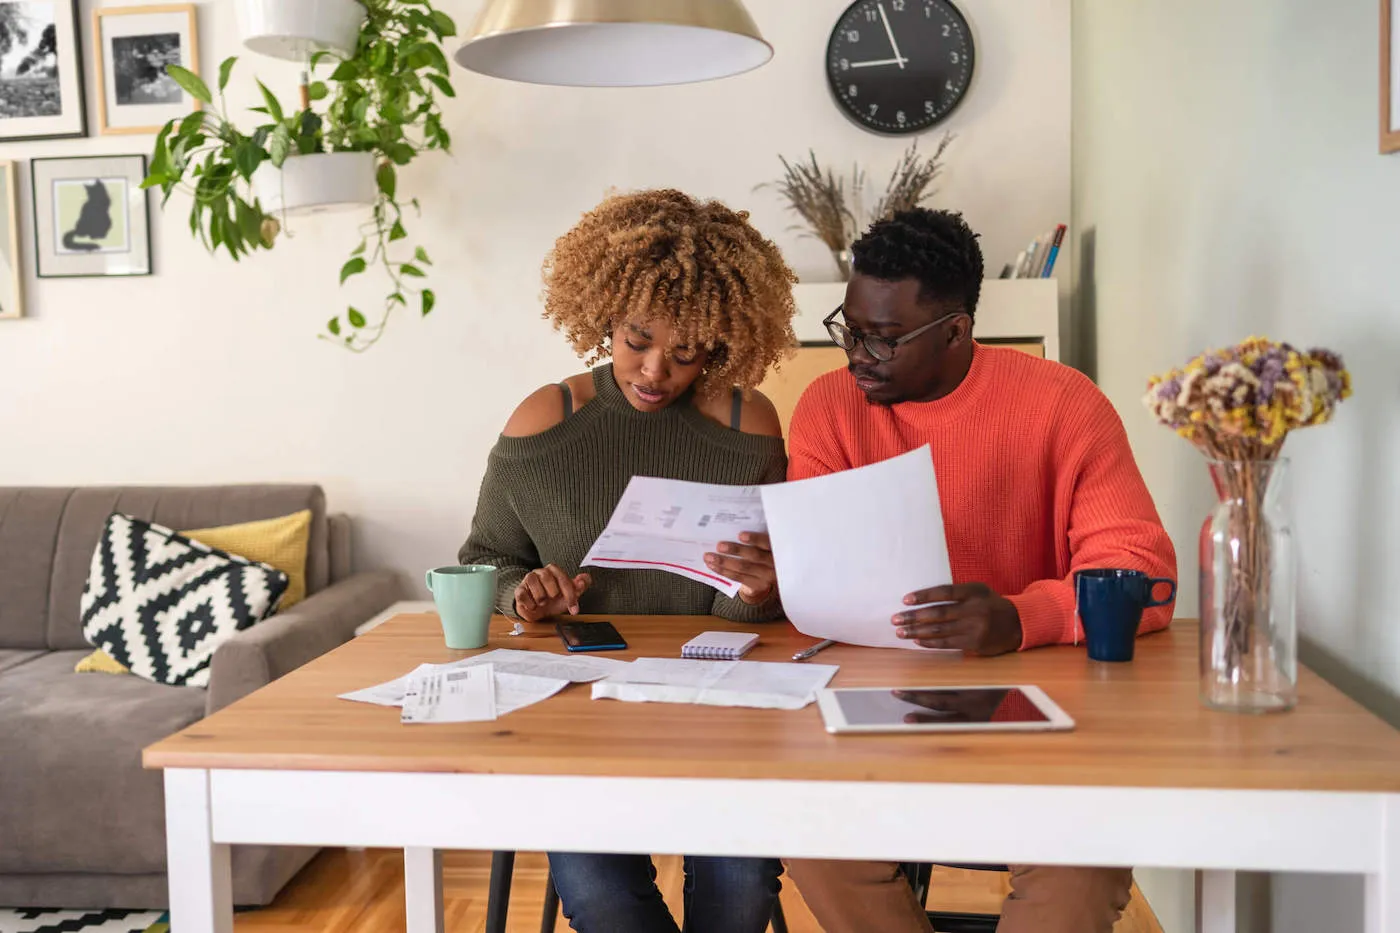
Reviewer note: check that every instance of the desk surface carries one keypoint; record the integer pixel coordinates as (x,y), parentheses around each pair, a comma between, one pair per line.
(1138,724)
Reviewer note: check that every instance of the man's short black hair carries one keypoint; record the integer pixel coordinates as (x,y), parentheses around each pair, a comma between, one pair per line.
(936,247)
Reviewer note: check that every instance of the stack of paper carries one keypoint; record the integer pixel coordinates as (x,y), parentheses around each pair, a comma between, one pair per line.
(760,684)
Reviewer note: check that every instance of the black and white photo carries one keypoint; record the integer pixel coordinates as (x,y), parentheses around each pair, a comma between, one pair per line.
(135,47)
(41,78)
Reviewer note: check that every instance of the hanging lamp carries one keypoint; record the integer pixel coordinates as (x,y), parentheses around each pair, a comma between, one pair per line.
(613,43)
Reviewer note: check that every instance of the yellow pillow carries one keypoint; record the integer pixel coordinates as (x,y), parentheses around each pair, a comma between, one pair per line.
(280,542)
(100,662)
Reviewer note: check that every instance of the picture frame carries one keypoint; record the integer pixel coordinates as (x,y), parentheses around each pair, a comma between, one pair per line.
(132,47)
(1390,77)
(11,258)
(43,98)
(91,216)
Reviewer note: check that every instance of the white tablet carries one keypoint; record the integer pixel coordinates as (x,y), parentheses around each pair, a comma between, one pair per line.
(1006,708)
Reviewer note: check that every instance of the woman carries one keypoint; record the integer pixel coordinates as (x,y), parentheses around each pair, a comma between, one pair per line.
(693,306)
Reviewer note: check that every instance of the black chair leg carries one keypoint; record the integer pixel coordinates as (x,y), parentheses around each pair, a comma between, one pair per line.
(498,892)
(779,921)
(551,905)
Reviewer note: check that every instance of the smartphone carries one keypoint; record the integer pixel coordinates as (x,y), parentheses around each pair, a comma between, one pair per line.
(590,636)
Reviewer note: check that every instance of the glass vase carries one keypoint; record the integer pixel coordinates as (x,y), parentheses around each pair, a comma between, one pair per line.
(1249,637)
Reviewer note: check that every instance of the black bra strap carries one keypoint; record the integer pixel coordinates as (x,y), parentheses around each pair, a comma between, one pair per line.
(568,399)
(736,409)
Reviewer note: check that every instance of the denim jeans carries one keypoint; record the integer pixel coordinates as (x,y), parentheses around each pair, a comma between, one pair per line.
(618,893)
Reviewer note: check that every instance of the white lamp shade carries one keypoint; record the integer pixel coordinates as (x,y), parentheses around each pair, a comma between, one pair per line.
(613,43)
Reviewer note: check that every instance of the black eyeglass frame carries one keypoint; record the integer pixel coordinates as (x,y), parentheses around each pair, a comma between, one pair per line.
(886,345)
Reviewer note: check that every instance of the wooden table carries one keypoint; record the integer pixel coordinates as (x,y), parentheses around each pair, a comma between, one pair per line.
(1148,778)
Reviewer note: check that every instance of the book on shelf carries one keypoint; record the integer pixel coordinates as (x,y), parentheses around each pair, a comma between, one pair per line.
(1037,260)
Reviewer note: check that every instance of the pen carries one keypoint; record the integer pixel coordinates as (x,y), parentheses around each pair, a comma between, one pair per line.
(806,653)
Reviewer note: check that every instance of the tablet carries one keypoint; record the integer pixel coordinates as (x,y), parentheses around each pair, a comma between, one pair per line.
(989,708)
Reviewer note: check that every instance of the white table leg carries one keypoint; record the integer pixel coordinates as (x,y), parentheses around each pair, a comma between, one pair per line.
(201,886)
(1215,902)
(422,888)
(1383,887)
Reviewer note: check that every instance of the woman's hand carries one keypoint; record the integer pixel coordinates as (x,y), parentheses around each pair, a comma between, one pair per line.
(750,564)
(549,591)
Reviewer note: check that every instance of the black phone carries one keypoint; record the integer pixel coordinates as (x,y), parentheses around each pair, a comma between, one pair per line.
(590,636)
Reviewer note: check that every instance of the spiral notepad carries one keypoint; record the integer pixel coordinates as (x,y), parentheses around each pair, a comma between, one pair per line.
(719,646)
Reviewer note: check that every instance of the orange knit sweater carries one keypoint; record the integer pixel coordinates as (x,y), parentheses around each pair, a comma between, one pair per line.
(1035,477)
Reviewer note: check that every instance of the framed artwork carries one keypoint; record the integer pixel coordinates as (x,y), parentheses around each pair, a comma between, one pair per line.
(1390,76)
(41,70)
(91,216)
(134,44)
(11,268)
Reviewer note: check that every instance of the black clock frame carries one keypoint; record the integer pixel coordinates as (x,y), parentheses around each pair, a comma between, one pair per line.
(832,82)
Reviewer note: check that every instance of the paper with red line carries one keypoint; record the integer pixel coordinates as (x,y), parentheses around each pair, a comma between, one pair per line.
(670,525)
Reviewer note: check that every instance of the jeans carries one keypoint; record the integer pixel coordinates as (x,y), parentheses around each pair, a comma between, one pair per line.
(618,893)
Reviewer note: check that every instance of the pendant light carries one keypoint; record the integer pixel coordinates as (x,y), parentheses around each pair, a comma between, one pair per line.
(613,43)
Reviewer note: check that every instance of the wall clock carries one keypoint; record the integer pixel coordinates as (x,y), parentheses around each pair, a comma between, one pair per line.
(900,66)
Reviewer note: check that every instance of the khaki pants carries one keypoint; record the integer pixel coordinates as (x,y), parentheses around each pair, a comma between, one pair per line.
(866,897)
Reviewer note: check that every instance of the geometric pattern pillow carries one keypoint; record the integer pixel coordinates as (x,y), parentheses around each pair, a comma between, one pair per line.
(161,603)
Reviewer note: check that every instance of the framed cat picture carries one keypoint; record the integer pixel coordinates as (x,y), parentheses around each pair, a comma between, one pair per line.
(91,216)
(41,70)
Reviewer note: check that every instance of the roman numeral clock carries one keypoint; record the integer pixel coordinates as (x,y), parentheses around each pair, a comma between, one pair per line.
(900,66)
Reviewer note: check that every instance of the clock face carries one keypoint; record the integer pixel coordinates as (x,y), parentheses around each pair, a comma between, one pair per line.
(899,66)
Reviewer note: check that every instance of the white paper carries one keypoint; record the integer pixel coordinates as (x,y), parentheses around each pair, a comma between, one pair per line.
(517,691)
(670,525)
(761,684)
(848,546)
(567,667)
(464,695)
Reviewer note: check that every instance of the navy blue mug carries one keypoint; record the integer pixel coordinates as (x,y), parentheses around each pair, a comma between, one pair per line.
(1110,604)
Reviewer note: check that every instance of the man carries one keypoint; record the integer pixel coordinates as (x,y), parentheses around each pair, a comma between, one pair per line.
(1036,480)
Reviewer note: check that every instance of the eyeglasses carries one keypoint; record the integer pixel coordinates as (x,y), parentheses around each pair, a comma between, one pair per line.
(881,348)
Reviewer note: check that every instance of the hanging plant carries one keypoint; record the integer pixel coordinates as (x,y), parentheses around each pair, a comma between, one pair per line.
(381,102)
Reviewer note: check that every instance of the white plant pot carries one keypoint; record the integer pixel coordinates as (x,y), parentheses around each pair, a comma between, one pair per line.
(293,29)
(313,184)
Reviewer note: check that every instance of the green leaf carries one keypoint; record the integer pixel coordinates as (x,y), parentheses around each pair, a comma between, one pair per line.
(442,84)
(353,267)
(439,61)
(346,71)
(388,180)
(318,90)
(443,24)
(225,69)
(280,146)
(333,325)
(379,58)
(429,299)
(247,157)
(192,124)
(360,110)
(410,269)
(402,153)
(359,250)
(356,318)
(249,223)
(274,108)
(398,298)
(421,255)
(191,82)
(397,232)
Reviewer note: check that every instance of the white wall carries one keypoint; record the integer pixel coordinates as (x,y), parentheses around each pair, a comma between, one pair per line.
(210,372)
(1226,170)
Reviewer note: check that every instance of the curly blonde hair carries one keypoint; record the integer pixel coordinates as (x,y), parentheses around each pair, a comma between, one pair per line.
(661,254)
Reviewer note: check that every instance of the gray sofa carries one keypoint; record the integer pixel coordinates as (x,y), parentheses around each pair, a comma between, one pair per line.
(81,823)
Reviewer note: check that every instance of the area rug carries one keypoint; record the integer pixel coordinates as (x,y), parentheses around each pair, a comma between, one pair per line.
(29,920)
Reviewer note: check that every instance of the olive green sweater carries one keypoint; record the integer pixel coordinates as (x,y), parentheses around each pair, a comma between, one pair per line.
(547,497)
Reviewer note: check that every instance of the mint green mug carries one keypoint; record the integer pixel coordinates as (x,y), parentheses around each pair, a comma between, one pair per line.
(465,595)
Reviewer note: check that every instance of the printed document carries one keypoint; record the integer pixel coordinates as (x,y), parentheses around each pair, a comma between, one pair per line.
(761,684)
(667,524)
(467,694)
(848,546)
(521,677)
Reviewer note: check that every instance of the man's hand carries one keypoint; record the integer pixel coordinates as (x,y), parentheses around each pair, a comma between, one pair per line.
(750,564)
(549,591)
(975,619)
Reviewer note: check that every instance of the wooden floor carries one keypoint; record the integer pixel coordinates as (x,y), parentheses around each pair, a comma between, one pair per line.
(361,891)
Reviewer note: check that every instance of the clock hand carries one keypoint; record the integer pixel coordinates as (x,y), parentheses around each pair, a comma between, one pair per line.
(890,32)
(884,61)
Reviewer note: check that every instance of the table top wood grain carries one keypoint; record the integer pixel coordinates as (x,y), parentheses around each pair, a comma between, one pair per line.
(1138,724)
